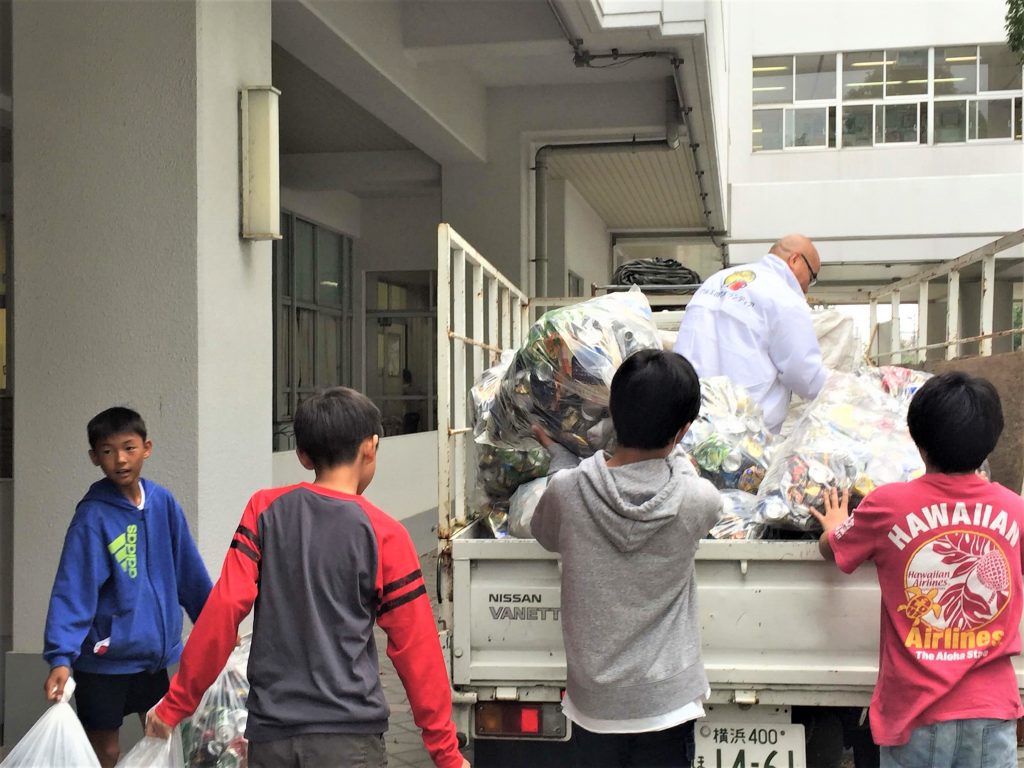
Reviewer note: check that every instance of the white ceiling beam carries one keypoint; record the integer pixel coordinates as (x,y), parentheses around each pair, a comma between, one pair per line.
(360,173)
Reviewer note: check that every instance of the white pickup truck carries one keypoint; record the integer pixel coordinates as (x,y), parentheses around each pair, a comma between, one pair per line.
(790,644)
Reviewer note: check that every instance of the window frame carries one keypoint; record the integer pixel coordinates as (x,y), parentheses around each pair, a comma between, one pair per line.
(287,392)
(835,107)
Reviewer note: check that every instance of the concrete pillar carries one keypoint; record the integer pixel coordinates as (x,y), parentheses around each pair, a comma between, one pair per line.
(133,286)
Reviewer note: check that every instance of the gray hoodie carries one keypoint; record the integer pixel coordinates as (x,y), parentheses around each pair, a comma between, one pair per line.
(627,536)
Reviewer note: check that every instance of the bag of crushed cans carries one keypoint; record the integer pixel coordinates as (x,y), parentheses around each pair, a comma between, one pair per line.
(854,435)
(214,737)
(729,443)
(737,518)
(504,460)
(561,376)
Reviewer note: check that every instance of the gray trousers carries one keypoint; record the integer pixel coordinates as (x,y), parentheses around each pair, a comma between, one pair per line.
(321,750)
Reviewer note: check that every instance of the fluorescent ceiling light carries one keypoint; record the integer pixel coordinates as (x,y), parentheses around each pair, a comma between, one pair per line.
(916,82)
(949,79)
(758,130)
(869,82)
(329,283)
(871,63)
(961,58)
(770,69)
(758,146)
(771,88)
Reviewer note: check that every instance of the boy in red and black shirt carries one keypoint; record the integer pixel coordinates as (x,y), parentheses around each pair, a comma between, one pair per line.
(321,564)
(948,554)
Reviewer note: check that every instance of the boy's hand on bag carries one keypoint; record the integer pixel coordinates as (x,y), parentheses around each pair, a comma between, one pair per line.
(836,510)
(55,682)
(157,727)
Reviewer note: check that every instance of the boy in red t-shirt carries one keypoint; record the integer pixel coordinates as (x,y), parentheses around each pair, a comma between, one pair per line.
(948,555)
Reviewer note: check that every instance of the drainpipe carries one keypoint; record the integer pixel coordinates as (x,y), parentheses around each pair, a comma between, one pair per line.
(668,144)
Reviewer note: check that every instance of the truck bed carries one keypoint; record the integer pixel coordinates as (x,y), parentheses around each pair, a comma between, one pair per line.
(777,622)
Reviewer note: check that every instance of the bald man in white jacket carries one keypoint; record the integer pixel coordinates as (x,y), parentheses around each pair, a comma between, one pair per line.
(752,324)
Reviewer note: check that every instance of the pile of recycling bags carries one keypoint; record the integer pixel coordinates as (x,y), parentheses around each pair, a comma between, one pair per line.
(853,436)
(729,443)
(559,379)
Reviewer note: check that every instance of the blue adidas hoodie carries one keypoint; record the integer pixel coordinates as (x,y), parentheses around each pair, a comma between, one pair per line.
(124,576)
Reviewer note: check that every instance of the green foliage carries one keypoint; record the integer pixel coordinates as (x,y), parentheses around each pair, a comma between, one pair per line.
(1018,322)
(1015,27)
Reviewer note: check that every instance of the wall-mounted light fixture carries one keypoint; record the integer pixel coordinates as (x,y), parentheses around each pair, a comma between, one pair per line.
(261,166)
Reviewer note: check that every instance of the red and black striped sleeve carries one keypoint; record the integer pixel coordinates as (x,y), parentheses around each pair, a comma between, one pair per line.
(216,631)
(405,615)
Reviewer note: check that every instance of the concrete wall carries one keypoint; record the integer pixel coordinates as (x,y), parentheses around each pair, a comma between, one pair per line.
(406,481)
(491,204)
(1006,372)
(587,242)
(133,285)
(334,209)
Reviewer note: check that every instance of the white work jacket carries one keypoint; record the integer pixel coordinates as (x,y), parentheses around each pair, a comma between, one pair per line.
(752,324)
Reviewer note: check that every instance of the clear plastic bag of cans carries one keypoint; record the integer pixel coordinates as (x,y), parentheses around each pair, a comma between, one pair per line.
(737,518)
(214,737)
(505,460)
(853,436)
(729,443)
(560,378)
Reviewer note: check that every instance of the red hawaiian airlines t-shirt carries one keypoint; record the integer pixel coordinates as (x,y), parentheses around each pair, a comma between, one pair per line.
(948,554)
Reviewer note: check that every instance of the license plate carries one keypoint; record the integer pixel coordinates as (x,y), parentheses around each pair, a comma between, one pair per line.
(749,745)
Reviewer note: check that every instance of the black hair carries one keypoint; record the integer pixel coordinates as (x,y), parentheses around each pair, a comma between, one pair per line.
(653,395)
(114,421)
(955,420)
(331,424)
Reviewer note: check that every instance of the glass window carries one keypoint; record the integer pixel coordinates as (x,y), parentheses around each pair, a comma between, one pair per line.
(999,69)
(956,70)
(305,283)
(806,127)
(858,124)
(767,130)
(773,80)
(328,267)
(575,284)
(864,75)
(401,349)
(906,72)
(950,121)
(1017,105)
(816,77)
(896,123)
(312,330)
(992,119)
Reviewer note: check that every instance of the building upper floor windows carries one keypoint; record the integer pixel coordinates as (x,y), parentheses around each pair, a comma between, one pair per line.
(886,97)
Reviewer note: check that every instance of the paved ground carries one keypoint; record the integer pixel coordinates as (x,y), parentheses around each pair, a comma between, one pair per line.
(405,747)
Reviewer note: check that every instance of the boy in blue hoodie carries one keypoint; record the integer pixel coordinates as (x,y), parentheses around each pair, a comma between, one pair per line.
(128,563)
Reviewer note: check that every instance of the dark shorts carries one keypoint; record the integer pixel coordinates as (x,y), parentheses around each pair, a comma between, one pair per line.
(102,701)
(321,750)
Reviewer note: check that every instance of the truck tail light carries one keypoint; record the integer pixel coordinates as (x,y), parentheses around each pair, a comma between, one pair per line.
(517,720)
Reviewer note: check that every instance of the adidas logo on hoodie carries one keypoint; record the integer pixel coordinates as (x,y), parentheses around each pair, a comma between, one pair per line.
(123,549)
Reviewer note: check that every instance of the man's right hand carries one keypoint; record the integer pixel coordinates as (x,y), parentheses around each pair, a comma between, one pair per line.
(55,682)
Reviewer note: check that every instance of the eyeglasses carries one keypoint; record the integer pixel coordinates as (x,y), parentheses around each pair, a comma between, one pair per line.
(814,275)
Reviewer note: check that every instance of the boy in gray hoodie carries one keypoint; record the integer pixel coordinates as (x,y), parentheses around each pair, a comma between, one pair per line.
(627,527)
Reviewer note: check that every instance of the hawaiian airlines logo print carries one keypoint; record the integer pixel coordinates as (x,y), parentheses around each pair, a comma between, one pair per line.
(955,584)
(738,280)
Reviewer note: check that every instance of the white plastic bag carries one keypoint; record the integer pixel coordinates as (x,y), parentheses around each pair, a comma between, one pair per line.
(152,752)
(520,509)
(57,740)
(215,734)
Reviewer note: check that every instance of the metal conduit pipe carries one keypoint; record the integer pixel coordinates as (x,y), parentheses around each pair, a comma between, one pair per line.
(540,167)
